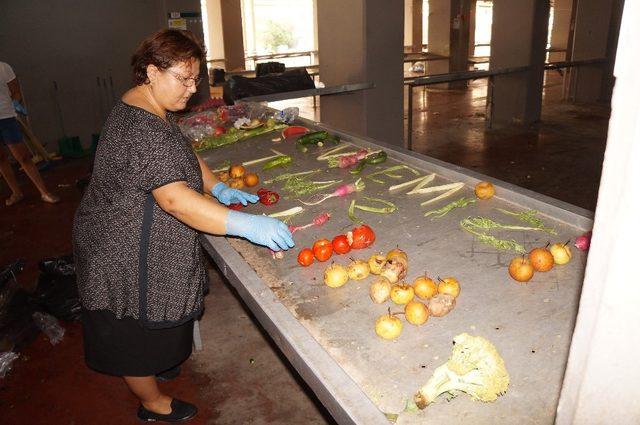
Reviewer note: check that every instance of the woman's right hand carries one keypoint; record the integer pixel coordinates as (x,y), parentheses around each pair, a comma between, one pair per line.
(260,229)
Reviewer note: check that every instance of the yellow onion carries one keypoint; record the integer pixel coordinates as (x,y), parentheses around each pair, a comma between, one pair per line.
(335,275)
(358,269)
(380,290)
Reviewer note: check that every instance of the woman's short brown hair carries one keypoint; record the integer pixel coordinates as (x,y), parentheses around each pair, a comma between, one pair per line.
(165,49)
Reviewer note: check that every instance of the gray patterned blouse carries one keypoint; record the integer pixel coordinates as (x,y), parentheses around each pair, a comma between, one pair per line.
(132,258)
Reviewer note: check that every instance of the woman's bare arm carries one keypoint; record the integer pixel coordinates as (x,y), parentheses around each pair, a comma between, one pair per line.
(192,208)
(208,177)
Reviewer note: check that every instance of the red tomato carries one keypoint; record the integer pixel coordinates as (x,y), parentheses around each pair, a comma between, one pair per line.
(219,130)
(305,257)
(361,237)
(340,244)
(322,249)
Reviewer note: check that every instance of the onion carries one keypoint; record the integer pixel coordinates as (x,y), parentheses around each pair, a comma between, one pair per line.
(583,242)
(441,304)
(358,269)
(380,290)
(335,275)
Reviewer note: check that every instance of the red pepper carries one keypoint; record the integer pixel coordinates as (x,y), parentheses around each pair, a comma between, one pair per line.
(220,130)
(267,197)
(236,207)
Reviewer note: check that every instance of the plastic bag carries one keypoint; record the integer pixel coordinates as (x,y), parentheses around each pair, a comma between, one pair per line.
(417,67)
(50,326)
(287,115)
(6,360)
(58,266)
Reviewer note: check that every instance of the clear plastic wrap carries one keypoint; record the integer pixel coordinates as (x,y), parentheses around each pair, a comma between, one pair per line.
(6,361)
(50,326)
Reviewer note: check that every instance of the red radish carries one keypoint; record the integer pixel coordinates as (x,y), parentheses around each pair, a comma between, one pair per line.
(349,160)
(318,221)
(583,242)
(341,191)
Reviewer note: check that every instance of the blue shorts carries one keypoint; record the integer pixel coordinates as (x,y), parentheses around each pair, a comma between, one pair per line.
(10,133)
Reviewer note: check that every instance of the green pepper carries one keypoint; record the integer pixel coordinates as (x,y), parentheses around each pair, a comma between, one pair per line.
(358,168)
(277,162)
(378,158)
(316,137)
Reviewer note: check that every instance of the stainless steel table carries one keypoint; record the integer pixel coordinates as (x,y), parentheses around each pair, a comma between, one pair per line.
(328,334)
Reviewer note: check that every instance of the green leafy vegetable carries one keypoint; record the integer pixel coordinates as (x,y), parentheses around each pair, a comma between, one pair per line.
(499,244)
(287,176)
(529,216)
(441,212)
(388,208)
(235,135)
(300,185)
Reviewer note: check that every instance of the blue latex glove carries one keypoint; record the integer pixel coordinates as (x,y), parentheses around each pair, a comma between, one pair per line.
(19,107)
(260,229)
(227,196)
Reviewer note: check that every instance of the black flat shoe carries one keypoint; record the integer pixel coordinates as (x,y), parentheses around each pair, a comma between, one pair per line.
(169,375)
(180,411)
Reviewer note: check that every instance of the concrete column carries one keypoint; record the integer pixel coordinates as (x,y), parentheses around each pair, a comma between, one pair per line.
(472,27)
(518,38)
(560,29)
(459,36)
(449,35)
(413,25)
(601,380)
(439,36)
(591,41)
(361,40)
(216,37)
(416,25)
(231,14)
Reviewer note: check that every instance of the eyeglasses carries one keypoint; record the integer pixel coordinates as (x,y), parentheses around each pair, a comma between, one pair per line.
(186,81)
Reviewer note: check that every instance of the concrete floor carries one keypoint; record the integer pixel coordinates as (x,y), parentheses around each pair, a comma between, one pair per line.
(239,377)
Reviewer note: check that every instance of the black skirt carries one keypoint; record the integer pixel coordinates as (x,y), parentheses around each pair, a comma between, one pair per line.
(122,347)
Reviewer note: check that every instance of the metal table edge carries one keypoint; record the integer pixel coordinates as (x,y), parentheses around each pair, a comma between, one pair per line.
(342,397)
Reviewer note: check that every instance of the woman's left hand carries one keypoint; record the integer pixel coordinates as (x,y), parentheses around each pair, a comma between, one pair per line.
(227,196)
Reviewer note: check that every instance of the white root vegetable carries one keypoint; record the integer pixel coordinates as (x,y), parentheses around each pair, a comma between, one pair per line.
(405,184)
(253,161)
(287,213)
(427,179)
(454,187)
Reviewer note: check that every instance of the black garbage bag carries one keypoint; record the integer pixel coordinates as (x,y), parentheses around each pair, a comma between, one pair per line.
(16,325)
(58,266)
(266,68)
(57,290)
(239,87)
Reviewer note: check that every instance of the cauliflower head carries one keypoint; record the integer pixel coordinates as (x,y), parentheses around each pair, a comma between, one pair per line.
(474,368)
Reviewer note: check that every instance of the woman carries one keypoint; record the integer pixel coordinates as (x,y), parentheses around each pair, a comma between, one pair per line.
(139,264)
(11,136)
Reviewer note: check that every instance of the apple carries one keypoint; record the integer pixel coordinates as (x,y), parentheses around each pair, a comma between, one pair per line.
(425,287)
(521,269)
(401,293)
(388,326)
(541,259)
(561,252)
(485,190)
(416,313)
(449,286)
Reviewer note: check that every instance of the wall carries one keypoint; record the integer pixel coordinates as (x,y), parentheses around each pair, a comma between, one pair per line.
(74,42)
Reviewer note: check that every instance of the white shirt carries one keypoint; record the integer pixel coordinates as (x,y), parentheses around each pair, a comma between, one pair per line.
(6,107)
